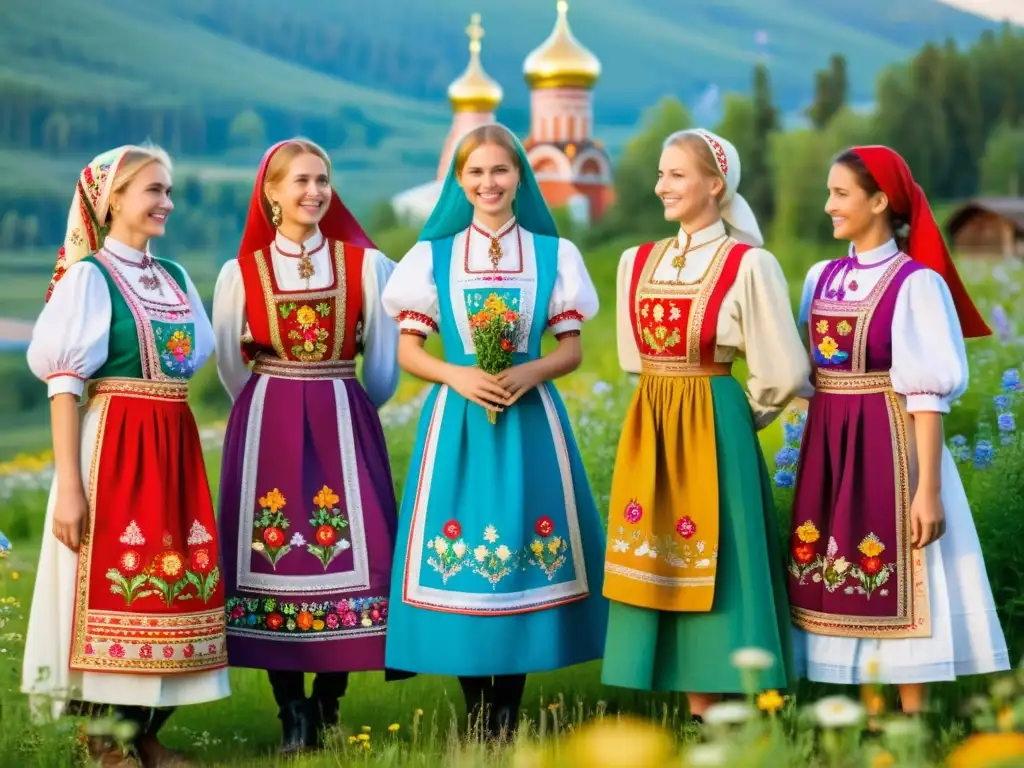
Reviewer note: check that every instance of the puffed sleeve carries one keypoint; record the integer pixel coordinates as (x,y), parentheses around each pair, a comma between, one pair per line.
(410,296)
(807,295)
(203,343)
(573,298)
(629,355)
(380,332)
(229,321)
(929,357)
(71,337)
(779,366)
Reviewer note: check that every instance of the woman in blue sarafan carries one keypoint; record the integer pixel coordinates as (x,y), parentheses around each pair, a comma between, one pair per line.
(499,557)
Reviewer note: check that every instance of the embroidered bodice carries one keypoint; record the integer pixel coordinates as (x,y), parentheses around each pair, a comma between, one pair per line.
(316,309)
(921,343)
(754,317)
(120,313)
(477,270)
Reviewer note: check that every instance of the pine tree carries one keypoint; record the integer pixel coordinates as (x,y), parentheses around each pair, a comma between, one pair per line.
(757,175)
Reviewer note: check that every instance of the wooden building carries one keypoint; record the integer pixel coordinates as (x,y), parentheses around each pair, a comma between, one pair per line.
(988,227)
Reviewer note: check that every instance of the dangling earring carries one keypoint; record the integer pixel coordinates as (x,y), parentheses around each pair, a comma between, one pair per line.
(115,207)
(275,215)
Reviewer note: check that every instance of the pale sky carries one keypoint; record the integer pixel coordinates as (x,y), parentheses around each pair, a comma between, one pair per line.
(993,9)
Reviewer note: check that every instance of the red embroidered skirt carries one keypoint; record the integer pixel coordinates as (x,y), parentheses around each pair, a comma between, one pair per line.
(148,595)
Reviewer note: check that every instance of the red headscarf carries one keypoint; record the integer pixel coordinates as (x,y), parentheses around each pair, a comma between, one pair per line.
(925,243)
(337,224)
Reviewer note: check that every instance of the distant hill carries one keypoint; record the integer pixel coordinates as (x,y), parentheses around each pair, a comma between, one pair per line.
(368,79)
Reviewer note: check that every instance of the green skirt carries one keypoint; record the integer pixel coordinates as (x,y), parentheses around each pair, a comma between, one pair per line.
(671,651)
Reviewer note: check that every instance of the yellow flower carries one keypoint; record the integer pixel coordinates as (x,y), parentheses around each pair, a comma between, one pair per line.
(770,701)
(659,313)
(15,575)
(844,328)
(808,533)
(987,749)
(394,727)
(305,316)
(366,729)
(272,501)
(883,759)
(495,303)
(821,326)
(624,741)
(363,737)
(1005,718)
(318,625)
(828,347)
(326,498)
(537,547)
(352,739)
(871,546)
(554,544)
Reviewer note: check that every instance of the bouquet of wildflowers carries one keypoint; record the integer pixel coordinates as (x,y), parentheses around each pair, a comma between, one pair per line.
(496,330)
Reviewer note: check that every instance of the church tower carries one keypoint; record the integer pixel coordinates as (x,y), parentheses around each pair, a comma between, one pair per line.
(474,97)
(572,168)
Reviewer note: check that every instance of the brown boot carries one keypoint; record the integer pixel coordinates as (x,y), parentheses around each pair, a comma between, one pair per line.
(106,753)
(156,755)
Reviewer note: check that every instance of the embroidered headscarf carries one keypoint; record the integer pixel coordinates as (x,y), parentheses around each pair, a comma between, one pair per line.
(337,224)
(453,212)
(733,208)
(924,244)
(87,219)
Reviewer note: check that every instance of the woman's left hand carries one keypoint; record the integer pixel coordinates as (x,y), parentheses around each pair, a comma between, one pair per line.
(518,380)
(927,518)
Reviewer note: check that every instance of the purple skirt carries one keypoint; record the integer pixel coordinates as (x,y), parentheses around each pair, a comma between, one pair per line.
(307,524)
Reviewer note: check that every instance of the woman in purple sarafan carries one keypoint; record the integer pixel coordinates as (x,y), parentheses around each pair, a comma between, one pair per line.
(886,577)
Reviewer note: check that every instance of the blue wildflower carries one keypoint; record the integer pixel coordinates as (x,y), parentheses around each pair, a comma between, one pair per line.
(5,545)
(1011,380)
(983,454)
(601,388)
(1001,321)
(958,440)
(1002,402)
(793,433)
(1006,422)
(784,478)
(787,456)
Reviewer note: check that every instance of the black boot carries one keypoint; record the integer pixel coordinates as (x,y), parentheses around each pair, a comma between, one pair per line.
(506,698)
(328,688)
(297,726)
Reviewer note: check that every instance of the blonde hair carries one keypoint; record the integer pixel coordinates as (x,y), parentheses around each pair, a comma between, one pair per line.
(701,152)
(134,160)
(481,135)
(281,161)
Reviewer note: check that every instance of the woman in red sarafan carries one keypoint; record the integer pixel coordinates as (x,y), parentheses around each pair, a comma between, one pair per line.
(128,609)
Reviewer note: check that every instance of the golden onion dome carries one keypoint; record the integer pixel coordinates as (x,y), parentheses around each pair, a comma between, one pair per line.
(561,61)
(474,90)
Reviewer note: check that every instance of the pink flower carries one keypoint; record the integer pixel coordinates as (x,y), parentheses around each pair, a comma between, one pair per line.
(117,651)
(375,614)
(350,619)
(332,621)
(89,650)
(633,512)
(686,527)
(146,651)
(238,612)
(168,651)
(188,651)
(211,648)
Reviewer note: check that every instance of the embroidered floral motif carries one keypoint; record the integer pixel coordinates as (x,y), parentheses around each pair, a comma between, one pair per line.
(685,527)
(828,352)
(834,572)
(309,336)
(198,534)
(167,575)
(452,529)
(269,528)
(549,555)
(175,348)
(843,328)
(319,618)
(132,535)
(544,526)
(665,547)
(662,325)
(330,525)
(493,565)
(447,557)
(633,512)
(821,326)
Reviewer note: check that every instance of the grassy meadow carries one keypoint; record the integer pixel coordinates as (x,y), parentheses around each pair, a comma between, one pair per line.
(573,719)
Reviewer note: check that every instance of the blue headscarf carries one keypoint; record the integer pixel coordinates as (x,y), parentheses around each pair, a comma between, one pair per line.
(453,212)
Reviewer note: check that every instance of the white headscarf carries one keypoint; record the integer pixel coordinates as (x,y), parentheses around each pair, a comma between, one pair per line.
(735,211)
(87,218)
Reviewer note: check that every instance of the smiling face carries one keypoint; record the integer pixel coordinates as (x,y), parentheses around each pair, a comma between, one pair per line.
(854,210)
(303,191)
(686,190)
(141,206)
(489,179)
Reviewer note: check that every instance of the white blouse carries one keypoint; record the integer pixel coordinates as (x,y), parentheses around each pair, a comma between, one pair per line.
(380,370)
(411,294)
(929,357)
(70,338)
(755,321)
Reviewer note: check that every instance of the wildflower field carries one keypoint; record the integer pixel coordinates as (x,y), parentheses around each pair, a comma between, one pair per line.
(570,718)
